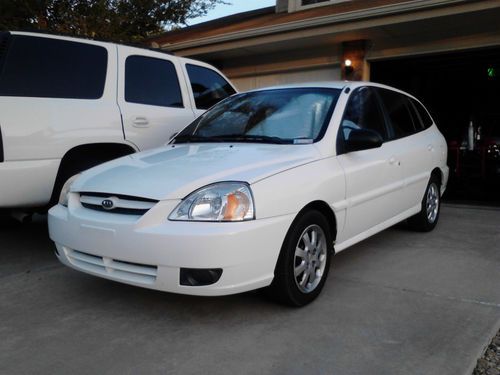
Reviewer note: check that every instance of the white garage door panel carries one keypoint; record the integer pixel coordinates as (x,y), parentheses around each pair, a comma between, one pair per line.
(265,80)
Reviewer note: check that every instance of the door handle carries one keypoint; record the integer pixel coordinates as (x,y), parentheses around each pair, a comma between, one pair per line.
(140,122)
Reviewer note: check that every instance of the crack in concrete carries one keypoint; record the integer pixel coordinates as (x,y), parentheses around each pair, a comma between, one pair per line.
(430,294)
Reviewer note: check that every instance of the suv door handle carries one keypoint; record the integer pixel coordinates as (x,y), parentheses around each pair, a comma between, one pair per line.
(140,122)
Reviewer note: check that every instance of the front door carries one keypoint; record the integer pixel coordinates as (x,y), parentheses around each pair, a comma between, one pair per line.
(373,176)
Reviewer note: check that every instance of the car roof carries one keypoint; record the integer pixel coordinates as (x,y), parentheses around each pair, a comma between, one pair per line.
(333,85)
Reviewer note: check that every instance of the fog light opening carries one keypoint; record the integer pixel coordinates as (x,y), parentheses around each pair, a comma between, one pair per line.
(199,276)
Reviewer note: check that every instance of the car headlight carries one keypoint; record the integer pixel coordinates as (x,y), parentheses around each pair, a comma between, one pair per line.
(64,196)
(224,201)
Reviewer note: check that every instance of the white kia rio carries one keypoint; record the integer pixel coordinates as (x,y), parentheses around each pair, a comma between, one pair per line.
(260,191)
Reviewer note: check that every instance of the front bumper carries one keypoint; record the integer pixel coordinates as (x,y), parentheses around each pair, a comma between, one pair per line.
(149,251)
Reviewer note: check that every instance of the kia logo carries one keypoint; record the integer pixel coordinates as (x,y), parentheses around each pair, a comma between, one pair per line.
(107,204)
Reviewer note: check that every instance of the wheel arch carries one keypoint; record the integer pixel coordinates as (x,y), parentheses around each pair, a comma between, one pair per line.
(84,155)
(438,173)
(325,209)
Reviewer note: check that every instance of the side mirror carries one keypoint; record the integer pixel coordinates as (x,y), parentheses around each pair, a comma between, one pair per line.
(363,139)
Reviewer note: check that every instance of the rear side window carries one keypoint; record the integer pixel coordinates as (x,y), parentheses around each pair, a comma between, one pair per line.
(363,112)
(53,68)
(152,81)
(396,106)
(424,115)
(208,86)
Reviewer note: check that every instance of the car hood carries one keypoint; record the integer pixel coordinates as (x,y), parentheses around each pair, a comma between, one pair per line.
(174,171)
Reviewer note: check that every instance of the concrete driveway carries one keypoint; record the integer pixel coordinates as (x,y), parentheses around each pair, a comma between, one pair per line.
(398,303)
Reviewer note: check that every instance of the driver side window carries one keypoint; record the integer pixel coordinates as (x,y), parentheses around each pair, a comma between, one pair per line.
(363,112)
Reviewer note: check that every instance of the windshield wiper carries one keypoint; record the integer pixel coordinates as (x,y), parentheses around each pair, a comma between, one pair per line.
(187,138)
(253,138)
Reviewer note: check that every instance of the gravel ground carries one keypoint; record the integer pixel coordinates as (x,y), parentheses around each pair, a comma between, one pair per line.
(489,364)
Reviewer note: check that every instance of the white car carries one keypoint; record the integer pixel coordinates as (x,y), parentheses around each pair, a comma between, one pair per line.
(67,104)
(260,191)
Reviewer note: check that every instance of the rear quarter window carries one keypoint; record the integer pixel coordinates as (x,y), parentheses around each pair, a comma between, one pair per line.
(53,68)
(208,86)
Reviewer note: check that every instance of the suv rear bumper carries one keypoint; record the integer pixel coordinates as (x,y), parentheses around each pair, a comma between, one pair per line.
(27,183)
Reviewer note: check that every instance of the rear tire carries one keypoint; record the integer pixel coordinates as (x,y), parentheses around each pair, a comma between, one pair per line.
(304,261)
(427,218)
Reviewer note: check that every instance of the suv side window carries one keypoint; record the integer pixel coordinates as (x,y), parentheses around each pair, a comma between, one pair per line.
(208,86)
(396,106)
(424,115)
(53,68)
(4,39)
(152,81)
(363,112)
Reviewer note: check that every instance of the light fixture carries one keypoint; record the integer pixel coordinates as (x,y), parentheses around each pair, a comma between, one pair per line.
(348,68)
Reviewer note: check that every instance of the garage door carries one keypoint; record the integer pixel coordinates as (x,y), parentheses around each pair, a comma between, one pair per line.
(298,76)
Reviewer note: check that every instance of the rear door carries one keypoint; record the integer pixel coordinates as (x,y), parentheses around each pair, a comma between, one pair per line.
(153,98)
(373,176)
(411,143)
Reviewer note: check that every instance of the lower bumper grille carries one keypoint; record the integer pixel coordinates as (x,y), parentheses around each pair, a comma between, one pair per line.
(118,269)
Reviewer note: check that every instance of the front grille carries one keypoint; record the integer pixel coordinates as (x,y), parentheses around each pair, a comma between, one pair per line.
(121,204)
(116,269)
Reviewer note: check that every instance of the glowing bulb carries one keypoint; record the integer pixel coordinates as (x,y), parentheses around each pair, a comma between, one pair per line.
(348,62)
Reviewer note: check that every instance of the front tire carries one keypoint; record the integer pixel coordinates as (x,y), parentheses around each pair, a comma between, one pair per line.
(427,218)
(304,261)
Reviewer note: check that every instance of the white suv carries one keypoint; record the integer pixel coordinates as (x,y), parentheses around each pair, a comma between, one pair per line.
(68,104)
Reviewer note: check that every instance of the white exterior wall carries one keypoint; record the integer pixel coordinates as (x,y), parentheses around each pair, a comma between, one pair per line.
(331,73)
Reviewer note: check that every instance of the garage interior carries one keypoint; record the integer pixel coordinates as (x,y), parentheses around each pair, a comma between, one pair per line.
(459,89)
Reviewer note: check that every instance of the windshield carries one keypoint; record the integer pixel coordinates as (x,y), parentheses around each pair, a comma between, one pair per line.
(297,116)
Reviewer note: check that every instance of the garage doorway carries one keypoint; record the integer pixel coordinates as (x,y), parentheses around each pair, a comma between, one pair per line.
(459,89)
